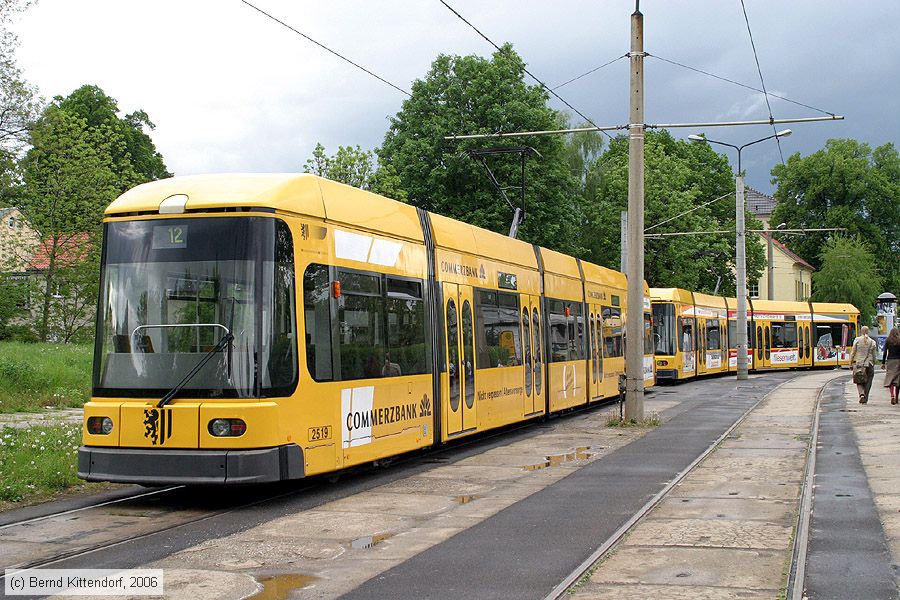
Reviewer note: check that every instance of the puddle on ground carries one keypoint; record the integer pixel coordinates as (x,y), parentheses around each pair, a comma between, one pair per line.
(464,499)
(555,460)
(279,587)
(370,541)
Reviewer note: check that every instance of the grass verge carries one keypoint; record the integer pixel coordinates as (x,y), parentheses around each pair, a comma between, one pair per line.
(652,420)
(36,376)
(38,461)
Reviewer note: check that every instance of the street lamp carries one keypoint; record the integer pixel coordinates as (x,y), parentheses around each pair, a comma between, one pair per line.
(740,247)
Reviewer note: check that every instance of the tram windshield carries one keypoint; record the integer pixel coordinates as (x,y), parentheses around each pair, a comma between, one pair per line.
(664,329)
(171,289)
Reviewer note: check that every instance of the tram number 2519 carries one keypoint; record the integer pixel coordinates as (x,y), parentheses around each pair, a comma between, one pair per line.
(317,434)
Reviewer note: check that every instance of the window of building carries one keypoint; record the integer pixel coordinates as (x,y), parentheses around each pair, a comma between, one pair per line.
(753,290)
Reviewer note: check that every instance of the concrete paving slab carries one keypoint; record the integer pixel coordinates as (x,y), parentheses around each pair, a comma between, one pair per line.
(409,505)
(779,512)
(669,592)
(332,525)
(656,531)
(739,489)
(692,567)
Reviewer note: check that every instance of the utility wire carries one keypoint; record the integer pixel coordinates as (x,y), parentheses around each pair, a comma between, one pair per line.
(595,69)
(689,211)
(530,74)
(326,48)
(761,80)
(737,83)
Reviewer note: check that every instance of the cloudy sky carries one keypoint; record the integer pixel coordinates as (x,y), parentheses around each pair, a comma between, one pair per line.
(230,90)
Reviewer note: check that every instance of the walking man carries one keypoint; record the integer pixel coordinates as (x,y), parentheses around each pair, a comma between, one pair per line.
(862,356)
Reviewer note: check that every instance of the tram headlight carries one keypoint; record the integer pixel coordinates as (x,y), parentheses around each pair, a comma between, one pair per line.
(227,427)
(99,425)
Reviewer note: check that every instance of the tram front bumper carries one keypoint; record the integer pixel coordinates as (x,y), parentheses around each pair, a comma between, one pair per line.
(189,467)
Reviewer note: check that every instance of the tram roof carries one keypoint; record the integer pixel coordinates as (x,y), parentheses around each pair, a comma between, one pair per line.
(301,194)
(707,300)
(462,237)
(822,308)
(671,294)
(779,306)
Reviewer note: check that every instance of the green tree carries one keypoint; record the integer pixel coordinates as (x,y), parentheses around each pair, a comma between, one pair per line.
(687,188)
(848,273)
(69,181)
(134,156)
(19,105)
(848,185)
(471,94)
(356,167)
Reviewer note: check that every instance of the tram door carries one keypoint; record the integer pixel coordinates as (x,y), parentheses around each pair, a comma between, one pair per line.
(533,345)
(702,346)
(764,353)
(458,385)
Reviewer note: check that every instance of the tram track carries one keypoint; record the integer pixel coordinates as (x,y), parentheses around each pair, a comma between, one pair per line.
(797,571)
(167,503)
(610,544)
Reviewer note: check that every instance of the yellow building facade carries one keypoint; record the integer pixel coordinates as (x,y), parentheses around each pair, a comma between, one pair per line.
(791,275)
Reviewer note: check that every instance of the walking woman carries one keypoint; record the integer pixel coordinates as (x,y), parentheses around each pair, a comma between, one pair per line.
(891,355)
(862,357)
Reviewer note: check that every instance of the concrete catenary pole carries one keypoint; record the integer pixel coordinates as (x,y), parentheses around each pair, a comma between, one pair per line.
(634,325)
(741,273)
(623,240)
(770,266)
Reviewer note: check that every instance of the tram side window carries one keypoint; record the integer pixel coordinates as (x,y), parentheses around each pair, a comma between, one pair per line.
(282,362)
(380,326)
(828,338)
(576,332)
(713,341)
(317,312)
(566,330)
(777,335)
(497,326)
(664,329)
(790,335)
(405,328)
(612,332)
(648,335)
(686,341)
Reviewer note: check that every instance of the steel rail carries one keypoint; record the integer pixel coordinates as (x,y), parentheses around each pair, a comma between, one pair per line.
(561,590)
(90,506)
(411,457)
(797,571)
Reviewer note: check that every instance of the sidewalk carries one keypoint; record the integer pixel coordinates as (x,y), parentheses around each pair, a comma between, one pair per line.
(877,429)
(726,531)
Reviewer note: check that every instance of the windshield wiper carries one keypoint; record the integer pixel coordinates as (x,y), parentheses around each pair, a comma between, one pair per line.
(226,340)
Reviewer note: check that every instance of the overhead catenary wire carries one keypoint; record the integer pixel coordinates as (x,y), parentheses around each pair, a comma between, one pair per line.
(326,48)
(698,207)
(761,80)
(737,83)
(594,70)
(530,74)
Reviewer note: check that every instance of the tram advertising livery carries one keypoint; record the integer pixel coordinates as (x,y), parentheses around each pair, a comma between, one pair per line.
(257,328)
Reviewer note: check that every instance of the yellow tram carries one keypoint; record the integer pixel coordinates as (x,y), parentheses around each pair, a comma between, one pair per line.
(694,333)
(259,328)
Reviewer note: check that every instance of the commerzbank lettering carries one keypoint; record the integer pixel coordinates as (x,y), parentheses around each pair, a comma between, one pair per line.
(381,416)
(463,270)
